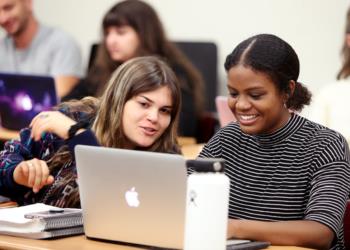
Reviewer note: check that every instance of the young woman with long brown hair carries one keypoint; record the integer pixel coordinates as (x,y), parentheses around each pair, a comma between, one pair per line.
(138,110)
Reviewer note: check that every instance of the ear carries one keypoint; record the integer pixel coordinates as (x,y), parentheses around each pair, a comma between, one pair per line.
(290,90)
(347,40)
(291,87)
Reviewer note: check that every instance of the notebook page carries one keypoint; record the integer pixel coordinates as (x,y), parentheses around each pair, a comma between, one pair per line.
(16,214)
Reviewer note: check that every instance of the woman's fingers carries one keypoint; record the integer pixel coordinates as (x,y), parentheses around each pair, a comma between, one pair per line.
(37,125)
(50,179)
(31,173)
(34,174)
(51,121)
(44,175)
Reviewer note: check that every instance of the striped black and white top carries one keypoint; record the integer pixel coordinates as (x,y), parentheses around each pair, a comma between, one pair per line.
(301,171)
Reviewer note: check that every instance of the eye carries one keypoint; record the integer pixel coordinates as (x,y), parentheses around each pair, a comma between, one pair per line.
(144,104)
(122,30)
(233,94)
(8,7)
(166,111)
(256,96)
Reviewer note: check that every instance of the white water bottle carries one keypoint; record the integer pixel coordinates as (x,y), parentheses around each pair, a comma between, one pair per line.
(207,205)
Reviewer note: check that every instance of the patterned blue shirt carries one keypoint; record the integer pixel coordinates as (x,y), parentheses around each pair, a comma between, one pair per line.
(16,151)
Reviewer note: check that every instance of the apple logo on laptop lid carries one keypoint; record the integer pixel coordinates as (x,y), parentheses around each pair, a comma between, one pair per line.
(132,198)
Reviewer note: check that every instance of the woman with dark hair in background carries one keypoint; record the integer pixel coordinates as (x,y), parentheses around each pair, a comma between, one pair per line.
(138,110)
(290,177)
(132,28)
(329,105)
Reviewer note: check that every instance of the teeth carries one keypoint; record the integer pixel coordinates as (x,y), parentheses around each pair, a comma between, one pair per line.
(247,117)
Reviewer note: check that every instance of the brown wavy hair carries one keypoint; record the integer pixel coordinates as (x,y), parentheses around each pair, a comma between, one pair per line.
(136,76)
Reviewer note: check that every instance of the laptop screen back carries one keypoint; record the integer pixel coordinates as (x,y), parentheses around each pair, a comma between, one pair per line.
(24,96)
(132,196)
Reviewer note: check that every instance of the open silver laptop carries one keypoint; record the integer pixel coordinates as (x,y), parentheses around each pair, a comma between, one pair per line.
(132,196)
(24,96)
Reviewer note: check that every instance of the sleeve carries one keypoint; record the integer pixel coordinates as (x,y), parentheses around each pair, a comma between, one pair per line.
(85,138)
(15,151)
(330,186)
(66,60)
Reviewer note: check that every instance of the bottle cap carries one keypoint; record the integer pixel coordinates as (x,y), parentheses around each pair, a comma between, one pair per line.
(215,165)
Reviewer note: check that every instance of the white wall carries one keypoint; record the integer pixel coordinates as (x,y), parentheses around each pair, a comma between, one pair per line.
(313,27)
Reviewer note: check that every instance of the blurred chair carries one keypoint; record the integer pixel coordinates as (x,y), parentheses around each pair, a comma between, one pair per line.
(225,114)
(346,226)
(204,56)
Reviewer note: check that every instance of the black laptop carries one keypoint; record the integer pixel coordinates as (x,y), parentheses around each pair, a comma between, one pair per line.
(24,96)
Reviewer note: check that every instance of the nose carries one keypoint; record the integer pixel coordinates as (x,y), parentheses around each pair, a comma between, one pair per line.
(111,38)
(152,115)
(242,103)
(4,16)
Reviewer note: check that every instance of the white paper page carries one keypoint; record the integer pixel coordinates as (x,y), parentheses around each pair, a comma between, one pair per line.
(16,214)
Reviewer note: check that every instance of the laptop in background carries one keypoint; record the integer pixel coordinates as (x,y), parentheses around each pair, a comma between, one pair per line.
(24,96)
(132,196)
(225,115)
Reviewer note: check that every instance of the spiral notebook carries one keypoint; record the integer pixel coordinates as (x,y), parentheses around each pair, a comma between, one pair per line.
(40,221)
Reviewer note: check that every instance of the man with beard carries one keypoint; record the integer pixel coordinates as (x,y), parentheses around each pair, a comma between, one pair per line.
(30,47)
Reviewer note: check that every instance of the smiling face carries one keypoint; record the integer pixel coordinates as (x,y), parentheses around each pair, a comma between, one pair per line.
(122,42)
(255,101)
(146,116)
(14,15)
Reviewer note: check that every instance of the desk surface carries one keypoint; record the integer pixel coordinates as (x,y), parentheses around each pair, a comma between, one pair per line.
(191,151)
(79,242)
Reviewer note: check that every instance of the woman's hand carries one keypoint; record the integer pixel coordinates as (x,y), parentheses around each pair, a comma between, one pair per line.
(33,173)
(51,121)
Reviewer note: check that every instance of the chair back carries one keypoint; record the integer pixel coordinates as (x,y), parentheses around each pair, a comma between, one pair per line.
(204,56)
(225,114)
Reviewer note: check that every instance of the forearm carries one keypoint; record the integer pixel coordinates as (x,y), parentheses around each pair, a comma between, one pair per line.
(64,84)
(294,233)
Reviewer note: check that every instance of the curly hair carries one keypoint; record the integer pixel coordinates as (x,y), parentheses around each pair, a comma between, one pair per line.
(274,57)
